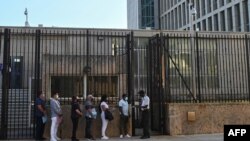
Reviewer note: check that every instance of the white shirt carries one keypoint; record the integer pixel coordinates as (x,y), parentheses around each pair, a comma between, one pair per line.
(124,105)
(104,104)
(145,101)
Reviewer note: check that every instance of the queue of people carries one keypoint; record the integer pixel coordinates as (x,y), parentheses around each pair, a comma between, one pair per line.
(89,114)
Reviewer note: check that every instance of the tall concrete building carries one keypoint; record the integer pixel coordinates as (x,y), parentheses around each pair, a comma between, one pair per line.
(142,14)
(208,15)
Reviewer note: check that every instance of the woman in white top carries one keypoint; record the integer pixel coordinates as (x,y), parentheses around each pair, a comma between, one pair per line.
(104,106)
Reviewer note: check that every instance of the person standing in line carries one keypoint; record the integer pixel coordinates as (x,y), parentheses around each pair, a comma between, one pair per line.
(56,116)
(75,114)
(145,106)
(89,117)
(40,114)
(104,106)
(124,116)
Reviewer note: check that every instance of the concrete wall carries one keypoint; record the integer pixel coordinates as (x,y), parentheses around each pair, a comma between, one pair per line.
(65,129)
(209,117)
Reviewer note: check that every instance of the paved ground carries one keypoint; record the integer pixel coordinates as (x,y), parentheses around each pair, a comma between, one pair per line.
(200,137)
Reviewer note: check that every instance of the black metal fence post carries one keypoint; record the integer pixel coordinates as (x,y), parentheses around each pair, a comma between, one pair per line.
(167,83)
(198,68)
(37,62)
(37,69)
(87,67)
(162,92)
(248,69)
(5,85)
(130,75)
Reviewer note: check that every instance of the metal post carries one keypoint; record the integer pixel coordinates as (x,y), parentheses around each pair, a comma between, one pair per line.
(86,71)
(162,84)
(5,85)
(130,76)
(248,67)
(37,62)
(37,70)
(192,13)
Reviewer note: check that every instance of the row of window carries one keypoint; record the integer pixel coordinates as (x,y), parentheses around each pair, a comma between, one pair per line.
(205,4)
(235,18)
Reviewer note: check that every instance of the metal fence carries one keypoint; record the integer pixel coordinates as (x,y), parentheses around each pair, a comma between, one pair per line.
(217,65)
(71,62)
(170,66)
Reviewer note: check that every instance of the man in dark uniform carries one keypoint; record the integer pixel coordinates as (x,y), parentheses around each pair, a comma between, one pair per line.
(145,106)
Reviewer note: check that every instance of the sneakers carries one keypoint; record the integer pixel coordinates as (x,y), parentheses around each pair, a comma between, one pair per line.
(121,136)
(105,138)
(128,136)
(57,138)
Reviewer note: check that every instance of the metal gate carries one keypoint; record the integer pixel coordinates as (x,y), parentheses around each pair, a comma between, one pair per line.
(70,61)
(156,77)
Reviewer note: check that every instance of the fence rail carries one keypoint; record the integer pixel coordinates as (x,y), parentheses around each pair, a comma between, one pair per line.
(221,67)
(172,67)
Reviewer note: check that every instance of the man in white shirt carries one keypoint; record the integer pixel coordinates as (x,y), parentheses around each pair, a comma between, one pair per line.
(145,106)
(124,115)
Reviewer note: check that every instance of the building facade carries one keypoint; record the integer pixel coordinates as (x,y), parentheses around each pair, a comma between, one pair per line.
(210,15)
(142,14)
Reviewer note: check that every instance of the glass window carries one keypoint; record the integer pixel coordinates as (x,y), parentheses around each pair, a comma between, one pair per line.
(210,25)
(198,9)
(184,14)
(230,19)
(100,85)
(203,7)
(215,6)
(216,27)
(209,6)
(228,1)
(181,63)
(237,17)
(245,15)
(16,72)
(222,21)
(73,85)
(204,25)
(180,17)
(67,86)
(221,3)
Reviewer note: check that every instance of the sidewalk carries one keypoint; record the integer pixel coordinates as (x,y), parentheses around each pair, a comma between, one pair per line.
(199,137)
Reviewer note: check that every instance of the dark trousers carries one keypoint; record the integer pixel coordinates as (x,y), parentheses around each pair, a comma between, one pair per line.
(145,123)
(39,127)
(75,126)
(123,124)
(88,127)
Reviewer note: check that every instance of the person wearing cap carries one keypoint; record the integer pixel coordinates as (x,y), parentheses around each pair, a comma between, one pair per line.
(89,117)
(124,116)
(145,106)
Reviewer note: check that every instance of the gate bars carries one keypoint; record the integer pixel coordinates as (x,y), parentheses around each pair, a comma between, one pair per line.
(221,67)
(69,61)
(113,62)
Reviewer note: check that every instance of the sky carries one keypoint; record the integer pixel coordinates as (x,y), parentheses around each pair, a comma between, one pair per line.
(65,13)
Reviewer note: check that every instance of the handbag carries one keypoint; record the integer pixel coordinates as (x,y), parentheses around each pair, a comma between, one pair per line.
(45,119)
(108,115)
(94,113)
